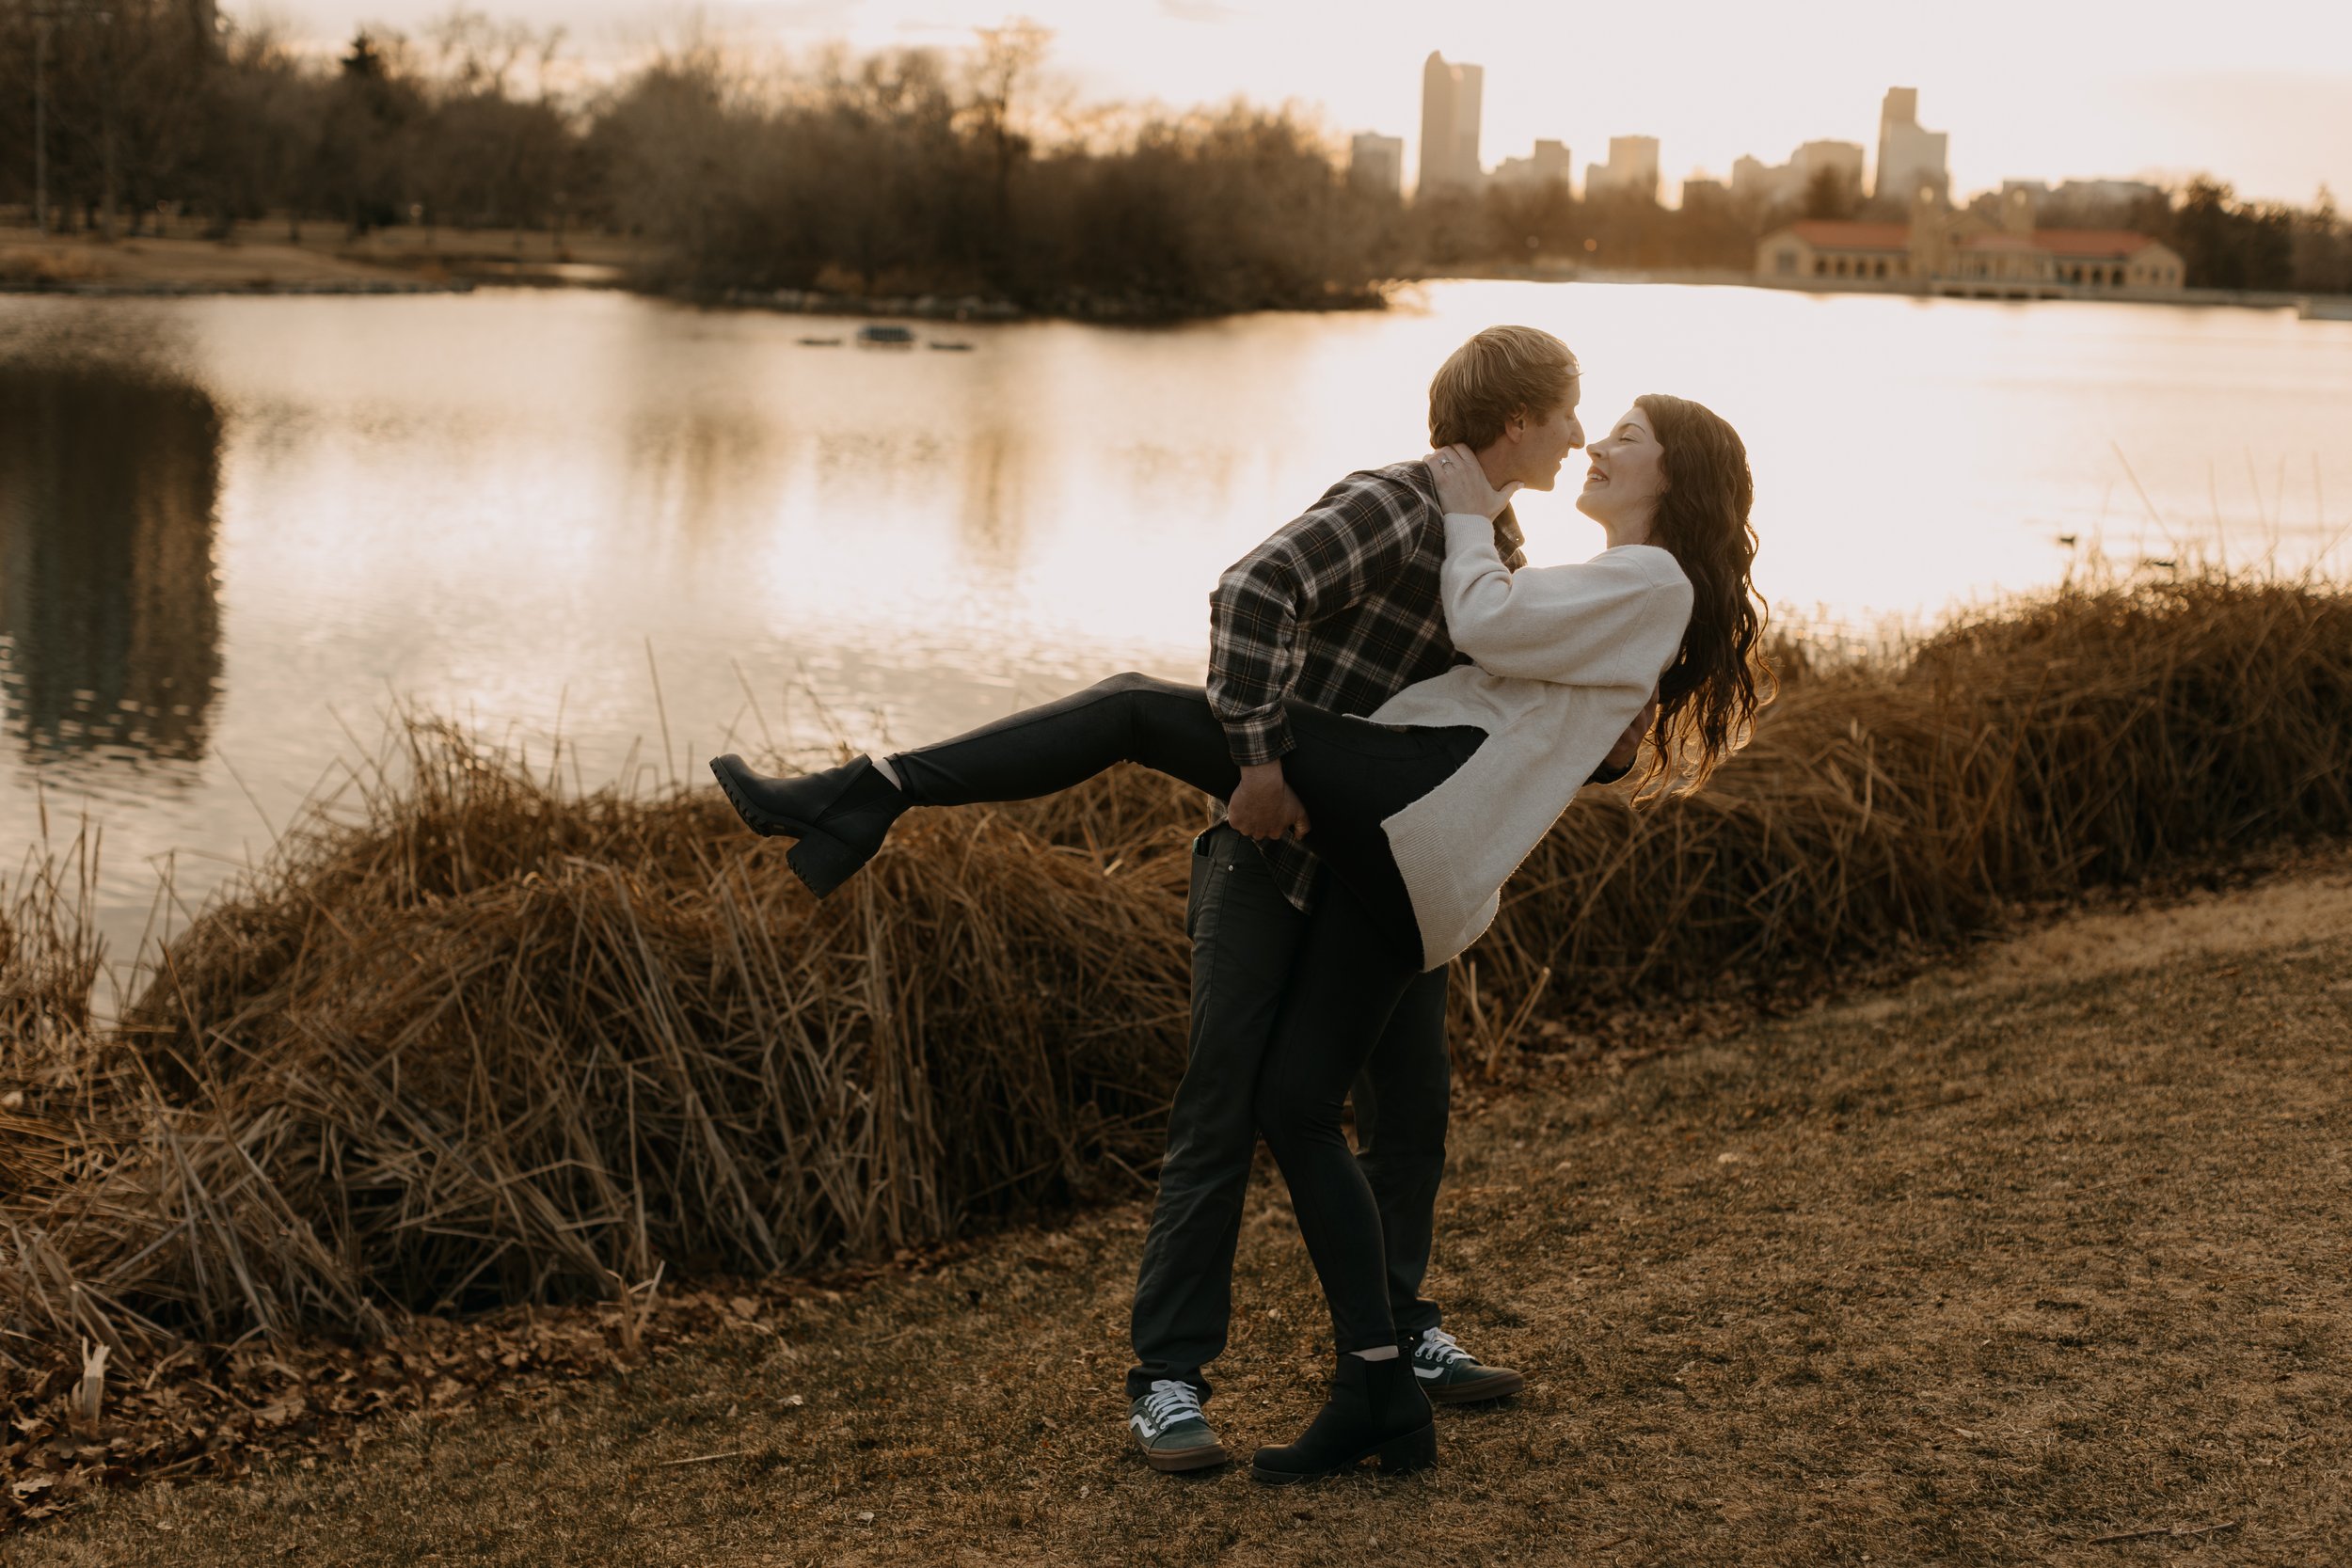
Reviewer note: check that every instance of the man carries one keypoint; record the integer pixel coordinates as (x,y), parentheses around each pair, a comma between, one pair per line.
(1338,608)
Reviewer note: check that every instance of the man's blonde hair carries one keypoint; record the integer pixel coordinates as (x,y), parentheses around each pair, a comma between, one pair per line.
(1501,372)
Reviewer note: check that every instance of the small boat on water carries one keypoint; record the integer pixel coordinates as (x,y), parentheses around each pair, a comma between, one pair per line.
(946,346)
(876,335)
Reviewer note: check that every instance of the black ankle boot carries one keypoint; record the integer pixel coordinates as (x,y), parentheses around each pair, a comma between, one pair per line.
(840,816)
(1376,1411)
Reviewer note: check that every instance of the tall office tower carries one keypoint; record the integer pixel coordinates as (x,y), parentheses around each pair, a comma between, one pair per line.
(1632,168)
(1450,102)
(1841,158)
(1376,162)
(1753,180)
(1549,163)
(1909,156)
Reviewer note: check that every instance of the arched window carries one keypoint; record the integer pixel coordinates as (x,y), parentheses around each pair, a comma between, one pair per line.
(1820,266)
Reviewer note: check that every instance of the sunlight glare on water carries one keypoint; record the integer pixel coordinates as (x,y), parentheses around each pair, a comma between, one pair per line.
(496,505)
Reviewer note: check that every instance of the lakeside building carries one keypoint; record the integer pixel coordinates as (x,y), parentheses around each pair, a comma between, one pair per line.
(2081,196)
(1549,161)
(1631,170)
(1451,101)
(1965,253)
(1909,154)
(1376,164)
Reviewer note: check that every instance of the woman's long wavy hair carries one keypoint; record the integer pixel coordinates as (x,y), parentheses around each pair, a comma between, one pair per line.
(1707,698)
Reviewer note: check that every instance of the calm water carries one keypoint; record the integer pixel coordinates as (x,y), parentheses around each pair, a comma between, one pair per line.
(232,531)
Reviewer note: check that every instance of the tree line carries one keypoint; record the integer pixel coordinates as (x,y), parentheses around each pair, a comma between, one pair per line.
(903,172)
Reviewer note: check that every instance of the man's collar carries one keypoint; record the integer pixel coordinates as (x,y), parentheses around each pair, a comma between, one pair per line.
(1509,539)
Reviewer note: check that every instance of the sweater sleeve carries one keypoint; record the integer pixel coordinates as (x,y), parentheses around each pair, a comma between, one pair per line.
(1590,624)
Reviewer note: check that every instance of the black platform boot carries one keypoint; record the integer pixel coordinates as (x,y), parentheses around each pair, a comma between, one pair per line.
(840,816)
(1376,1411)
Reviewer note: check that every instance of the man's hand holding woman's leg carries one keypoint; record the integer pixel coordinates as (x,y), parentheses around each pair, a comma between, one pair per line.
(1264,806)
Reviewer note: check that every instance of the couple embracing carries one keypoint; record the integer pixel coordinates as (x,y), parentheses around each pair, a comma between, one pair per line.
(1398,708)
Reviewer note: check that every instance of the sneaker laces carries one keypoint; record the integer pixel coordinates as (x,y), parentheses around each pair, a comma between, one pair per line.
(1439,1346)
(1172,1401)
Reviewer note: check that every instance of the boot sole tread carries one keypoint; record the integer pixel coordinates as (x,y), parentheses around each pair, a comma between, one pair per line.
(819,861)
(1400,1455)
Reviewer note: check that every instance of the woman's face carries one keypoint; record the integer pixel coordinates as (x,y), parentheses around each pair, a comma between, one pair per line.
(1627,474)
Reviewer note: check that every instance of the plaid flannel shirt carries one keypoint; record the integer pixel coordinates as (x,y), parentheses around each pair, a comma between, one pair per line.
(1340,608)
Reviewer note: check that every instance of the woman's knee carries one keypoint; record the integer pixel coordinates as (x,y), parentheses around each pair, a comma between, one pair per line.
(1133,682)
(1289,1120)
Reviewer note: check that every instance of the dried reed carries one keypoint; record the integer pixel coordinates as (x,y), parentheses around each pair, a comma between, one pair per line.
(489,1041)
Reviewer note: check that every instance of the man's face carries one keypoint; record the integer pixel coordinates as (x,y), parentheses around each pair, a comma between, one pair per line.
(1539,444)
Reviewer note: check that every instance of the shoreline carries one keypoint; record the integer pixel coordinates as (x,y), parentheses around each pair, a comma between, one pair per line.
(2308,306)
(263,261)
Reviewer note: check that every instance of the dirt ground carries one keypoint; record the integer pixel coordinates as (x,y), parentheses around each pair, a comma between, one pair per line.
(1994,1267)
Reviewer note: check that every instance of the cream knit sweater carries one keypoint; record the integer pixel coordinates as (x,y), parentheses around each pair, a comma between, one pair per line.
(1565,656)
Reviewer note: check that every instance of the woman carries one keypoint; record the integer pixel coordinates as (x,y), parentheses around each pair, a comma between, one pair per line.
(1421,811)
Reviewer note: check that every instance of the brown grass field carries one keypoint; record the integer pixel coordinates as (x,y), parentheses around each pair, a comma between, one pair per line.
(1995,1266)
(480,1086)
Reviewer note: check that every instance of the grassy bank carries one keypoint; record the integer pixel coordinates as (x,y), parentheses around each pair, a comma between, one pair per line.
(1980,1270)
(485,1041)
(261,258)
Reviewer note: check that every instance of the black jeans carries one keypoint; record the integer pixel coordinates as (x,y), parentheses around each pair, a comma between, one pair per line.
(1321,996)
(1247,943)
(1351,772)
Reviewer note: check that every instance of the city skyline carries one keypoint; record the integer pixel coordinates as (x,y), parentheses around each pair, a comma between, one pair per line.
(2027,91)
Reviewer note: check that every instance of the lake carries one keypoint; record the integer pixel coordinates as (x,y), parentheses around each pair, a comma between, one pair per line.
(235,532)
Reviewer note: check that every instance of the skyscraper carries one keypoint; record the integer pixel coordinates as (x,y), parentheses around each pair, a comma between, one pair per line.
(1450,103)
(1376,164)
(1549,163)
(1632,168)
(1909,156)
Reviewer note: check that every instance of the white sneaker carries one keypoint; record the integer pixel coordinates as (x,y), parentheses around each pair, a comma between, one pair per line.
(1451,1375)
(1171,1430)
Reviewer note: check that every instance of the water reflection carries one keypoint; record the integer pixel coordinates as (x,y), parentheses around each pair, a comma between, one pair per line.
(109,610)
(511,507)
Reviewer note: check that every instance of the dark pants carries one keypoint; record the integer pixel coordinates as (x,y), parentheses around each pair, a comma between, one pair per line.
(1247,943)
(1295,1006)
(1351,773)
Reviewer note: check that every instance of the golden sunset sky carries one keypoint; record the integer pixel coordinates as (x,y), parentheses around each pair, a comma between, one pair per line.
(2258,92)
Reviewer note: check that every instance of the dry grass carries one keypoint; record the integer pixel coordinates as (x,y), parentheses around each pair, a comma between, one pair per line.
(40,264)
(484,1041)
(491,1044)
(1976,1271)
(2081,739)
